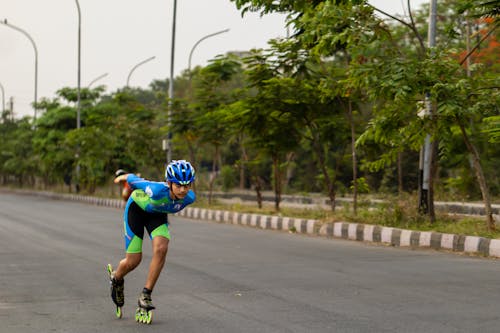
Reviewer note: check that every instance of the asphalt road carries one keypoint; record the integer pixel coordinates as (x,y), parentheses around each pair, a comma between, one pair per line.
(226,278)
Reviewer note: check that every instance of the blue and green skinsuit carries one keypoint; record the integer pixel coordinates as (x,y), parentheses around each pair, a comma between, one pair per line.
(148,207)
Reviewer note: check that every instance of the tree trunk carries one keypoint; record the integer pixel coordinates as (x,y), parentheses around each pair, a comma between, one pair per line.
(258,188)
(277,183)
(213,176)
(243,164)
(289,170)
(192,159)
(354,162)
(322,165)
(400,173)
(476,162)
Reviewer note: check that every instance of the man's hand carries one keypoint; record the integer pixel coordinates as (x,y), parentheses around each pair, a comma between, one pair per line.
(121,178)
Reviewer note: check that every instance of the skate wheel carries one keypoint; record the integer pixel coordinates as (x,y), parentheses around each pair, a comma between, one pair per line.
(143,316)
(137,314)
(119,313)
(149,317)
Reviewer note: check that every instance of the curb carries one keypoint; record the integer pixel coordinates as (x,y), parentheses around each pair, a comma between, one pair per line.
(354,231)
(301,226)
(350,231)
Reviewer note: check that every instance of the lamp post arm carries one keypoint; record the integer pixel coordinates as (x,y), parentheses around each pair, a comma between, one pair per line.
(36,58)
(134,68)
(201,40)
(97,79)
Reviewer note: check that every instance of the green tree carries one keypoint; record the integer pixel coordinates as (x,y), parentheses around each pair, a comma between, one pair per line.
(458,100)
(269,128)
(16,154)
(55,162)
(213,93)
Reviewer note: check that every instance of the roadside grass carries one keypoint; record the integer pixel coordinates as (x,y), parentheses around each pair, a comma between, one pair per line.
(397,213)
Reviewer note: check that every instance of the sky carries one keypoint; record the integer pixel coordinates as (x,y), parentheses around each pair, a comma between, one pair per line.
(117,35)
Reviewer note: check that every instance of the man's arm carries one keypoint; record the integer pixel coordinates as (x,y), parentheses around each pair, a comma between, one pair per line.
(136,182)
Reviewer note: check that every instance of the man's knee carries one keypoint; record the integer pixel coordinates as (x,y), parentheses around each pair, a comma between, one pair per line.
(160,247)
(133,260)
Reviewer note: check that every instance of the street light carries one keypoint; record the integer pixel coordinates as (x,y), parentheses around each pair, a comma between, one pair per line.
(4,22)
(97,79)
(201,40)
(134,68)
(78,98)
(192,50)
(78,101)
(168,144)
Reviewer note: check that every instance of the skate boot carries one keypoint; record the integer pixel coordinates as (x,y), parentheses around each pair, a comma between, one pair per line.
(144,313)
(117,291)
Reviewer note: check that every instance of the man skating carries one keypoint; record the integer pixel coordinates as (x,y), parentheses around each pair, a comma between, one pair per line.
(148,208)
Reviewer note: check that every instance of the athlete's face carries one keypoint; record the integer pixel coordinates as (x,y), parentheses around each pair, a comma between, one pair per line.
(179,191)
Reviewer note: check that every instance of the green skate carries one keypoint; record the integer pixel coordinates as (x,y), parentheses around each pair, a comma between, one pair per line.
(117,294)
(144,313)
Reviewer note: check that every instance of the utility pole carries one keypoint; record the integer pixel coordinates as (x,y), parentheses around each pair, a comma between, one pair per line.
(78,93)
(426,154)
(168,144)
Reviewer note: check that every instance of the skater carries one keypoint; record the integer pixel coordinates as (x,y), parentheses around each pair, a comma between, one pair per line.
(148,207)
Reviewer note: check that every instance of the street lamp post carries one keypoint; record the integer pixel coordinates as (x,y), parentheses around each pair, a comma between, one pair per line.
(4,22)
(97,79)
(168,145)
(78,101)
(201,40)
(135,67)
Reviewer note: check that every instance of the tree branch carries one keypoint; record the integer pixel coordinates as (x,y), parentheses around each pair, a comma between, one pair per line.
(410,26)
(478,44)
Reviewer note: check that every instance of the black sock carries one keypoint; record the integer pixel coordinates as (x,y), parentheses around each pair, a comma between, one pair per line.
(119,281)
(147,291)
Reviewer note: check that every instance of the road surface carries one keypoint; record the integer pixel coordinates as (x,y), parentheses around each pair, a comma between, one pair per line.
(227,278)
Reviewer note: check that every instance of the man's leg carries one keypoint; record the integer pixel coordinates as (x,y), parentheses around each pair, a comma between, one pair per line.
(127,264)
(134,232)
(160,248)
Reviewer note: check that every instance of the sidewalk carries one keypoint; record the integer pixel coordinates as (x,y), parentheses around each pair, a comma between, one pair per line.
(351,231)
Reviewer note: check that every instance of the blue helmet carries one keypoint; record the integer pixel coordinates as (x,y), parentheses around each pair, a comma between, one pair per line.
(180,172)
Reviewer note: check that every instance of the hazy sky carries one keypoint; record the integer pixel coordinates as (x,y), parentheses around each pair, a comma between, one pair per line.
(119,34)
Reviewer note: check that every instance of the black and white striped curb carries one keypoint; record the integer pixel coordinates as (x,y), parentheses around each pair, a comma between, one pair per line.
(354,231)
(411,238)
(351,231)
(302,226)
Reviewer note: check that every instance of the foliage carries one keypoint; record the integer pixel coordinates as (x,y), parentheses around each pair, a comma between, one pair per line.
(282,118)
